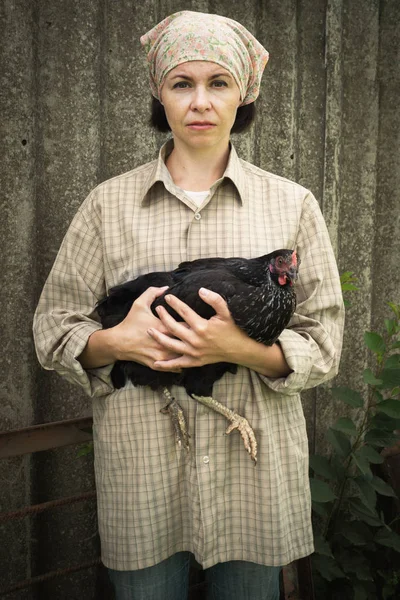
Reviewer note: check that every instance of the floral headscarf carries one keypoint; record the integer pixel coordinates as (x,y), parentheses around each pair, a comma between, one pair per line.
(186,36)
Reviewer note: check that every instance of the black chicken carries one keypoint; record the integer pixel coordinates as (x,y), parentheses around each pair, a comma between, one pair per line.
(260,296)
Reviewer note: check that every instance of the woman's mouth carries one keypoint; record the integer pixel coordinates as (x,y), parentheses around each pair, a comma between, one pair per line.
(200,125)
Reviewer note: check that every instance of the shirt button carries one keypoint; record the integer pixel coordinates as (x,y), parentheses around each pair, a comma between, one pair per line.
(197,216)
(206,460)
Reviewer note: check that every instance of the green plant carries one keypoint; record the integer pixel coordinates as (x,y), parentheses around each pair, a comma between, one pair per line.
(85,449)
(348,284)
(356,549)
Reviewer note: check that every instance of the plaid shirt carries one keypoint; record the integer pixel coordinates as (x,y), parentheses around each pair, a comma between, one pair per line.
(154,499)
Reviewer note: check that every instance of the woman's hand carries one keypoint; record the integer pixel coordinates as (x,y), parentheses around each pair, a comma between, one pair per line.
(129,339)
(197,341)
(132,339)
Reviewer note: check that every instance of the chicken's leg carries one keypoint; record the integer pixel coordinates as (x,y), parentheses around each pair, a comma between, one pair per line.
(174,409)
(237,422)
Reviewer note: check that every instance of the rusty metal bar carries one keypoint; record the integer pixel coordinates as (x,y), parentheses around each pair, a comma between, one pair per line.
(305,578)
(45,436)
(51,575)
(37,508)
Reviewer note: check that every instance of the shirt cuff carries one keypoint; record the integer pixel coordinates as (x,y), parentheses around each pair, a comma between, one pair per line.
(95,382)
(299,358)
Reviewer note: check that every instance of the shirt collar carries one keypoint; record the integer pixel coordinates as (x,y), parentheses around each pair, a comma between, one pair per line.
(159,172)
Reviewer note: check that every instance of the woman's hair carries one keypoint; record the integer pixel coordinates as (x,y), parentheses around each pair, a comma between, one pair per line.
(244,117)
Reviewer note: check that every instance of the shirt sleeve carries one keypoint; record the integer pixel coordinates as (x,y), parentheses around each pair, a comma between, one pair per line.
(312,343)
(65,316)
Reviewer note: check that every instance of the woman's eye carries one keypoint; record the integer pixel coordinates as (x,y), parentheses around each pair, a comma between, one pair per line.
(219,83)
(180,85)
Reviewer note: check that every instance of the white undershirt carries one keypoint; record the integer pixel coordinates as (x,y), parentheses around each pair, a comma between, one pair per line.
(197,197)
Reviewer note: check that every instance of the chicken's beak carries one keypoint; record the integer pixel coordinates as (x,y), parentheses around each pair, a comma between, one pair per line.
(292,274)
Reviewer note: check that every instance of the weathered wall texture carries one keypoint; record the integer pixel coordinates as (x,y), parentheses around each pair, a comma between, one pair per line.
(75,102)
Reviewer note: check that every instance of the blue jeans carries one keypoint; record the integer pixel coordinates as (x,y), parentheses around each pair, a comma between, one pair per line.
(169,580)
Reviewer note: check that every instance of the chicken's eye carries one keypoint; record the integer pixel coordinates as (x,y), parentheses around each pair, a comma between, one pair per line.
(279,261)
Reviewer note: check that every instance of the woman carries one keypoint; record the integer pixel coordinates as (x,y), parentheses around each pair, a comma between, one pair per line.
(157,505)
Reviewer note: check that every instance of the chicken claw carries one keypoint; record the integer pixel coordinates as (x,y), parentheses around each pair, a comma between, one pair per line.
(247,433)
(237,422)
(173,408)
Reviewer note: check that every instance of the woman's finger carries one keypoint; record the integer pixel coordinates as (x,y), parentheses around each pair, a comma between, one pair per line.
(151,294)
(180,329)
(188,314)
(174,364)
(170,343)
(216,301)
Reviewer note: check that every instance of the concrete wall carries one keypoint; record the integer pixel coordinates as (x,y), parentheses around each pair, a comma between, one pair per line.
(75,100)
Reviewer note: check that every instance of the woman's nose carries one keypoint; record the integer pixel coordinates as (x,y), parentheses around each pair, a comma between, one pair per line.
(201,99)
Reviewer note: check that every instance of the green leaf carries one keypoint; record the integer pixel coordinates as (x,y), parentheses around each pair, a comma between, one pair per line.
(320,491)
(354,562)
(355,532)
(370,378)
(322,466)
(338,467)
(347,281)
(367,492)
(370,454)
(85,450)
(360,592)
(390,325)
(327,567)
(382,487)
(363,513)
(395,345)
(377,395)
(374,342)
(388,538)
(345,425)
(379,438)
(339,441)
(321,509)
(393,362)
(390,378)
(348,396)
(382,421)
(362,464)
(349,287)
(322,546)
(396,309)
(389,407)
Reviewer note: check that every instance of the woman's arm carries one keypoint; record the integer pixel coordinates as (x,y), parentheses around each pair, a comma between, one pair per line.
(68,335)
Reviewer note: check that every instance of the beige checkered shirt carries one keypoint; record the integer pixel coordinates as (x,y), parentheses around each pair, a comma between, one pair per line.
(154,499)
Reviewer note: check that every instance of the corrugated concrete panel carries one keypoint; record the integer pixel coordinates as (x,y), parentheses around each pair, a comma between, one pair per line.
(275,144)
(68,72)
(355,165)
(386,249)
(127,138)
(17,263)
(75,99)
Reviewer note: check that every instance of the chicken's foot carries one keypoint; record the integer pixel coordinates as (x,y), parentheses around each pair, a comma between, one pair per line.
(178,419)
(237,422)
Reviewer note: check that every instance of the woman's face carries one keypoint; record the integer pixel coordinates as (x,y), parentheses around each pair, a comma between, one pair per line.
(200,101)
